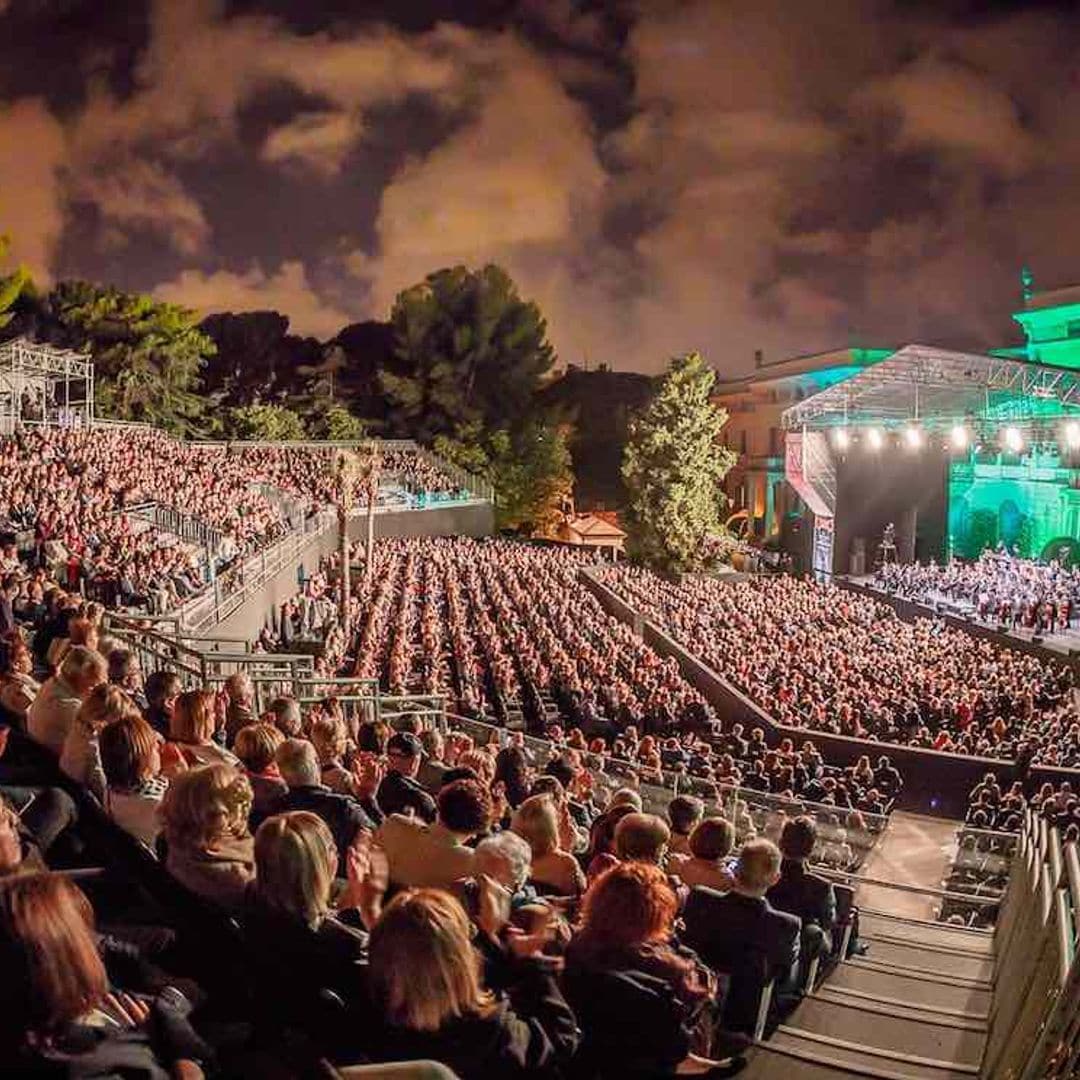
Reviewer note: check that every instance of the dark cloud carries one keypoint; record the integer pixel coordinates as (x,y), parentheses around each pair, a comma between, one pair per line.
(659,175)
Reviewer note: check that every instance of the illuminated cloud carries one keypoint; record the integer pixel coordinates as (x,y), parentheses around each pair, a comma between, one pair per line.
(288,290)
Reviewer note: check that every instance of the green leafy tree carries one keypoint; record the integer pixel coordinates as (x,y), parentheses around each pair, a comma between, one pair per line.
(467,349)
(673,466)
(11,285)
(531,470)
(148,355)
(336,423)
(271,422)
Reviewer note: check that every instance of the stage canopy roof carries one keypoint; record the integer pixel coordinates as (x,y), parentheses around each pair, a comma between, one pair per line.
(939,388)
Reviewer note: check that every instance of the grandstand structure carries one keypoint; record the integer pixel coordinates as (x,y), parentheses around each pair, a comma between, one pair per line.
(41,385)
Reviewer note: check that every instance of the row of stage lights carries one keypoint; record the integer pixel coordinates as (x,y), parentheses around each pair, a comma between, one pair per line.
(960,437)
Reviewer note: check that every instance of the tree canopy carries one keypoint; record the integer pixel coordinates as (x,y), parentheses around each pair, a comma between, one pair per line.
(11,285)
(469,350)
(148,355)
(673,466)
(270,422)
(529,469)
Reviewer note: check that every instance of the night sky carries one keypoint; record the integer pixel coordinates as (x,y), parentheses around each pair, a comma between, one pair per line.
(789,175)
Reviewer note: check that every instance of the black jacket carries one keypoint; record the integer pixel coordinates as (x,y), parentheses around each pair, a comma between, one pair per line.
(635,1020)
(398,794)
(806,895)
(746,938)
(533,1037)
(343,815)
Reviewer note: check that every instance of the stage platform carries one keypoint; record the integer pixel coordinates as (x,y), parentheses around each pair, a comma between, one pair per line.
(1065,643)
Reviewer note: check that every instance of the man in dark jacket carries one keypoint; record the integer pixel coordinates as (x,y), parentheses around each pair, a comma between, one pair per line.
(741,934)
(344,816)
(400,792)
(798,892)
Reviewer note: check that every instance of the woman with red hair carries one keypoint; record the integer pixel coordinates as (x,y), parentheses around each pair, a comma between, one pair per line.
(643,1003)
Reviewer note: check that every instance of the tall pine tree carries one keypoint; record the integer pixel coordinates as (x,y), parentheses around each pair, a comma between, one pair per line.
(673,466)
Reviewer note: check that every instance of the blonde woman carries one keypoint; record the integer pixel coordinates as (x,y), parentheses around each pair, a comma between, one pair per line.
(81,756)
(426,976)
(554,870)
(191,735)
(290,915)
(209,848)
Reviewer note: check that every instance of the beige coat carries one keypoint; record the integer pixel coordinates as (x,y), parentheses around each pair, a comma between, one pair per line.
(422,854)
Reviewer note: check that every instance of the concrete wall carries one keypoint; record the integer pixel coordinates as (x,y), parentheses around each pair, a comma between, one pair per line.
(934,783)
(469,519)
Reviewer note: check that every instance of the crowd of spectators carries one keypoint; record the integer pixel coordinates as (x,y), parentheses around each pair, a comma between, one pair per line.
(64,493)
(479,904)
(818,657)
(999,587)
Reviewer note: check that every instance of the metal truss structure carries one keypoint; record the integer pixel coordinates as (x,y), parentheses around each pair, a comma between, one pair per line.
(939,388)
(41,385)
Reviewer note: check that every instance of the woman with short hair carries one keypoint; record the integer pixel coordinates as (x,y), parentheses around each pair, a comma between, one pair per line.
(426,978)
(256,746)
(81,756)
(205,818)
(131,760)
(710,844)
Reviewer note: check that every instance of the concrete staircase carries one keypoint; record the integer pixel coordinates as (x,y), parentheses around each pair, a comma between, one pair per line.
(916,1006)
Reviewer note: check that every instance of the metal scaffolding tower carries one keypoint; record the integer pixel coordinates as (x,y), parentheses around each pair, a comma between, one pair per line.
(44,386)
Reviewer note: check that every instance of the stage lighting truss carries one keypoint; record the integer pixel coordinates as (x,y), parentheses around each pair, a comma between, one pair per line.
(942,390)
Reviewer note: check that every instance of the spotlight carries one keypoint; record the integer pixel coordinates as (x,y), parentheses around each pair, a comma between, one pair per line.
(960,437)
(841,438)
(1014,441)
(874,439)
(1072,435)
(913,436)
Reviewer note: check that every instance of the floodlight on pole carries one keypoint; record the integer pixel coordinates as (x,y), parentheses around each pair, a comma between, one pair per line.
(841,438)
(874,438)
(1013,440)
(960,437)
(1072,435)
(913,436)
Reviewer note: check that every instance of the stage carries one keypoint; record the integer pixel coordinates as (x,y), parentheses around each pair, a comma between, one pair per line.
(1063,643)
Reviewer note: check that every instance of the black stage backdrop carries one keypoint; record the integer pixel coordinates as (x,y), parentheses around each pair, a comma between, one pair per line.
(895,484)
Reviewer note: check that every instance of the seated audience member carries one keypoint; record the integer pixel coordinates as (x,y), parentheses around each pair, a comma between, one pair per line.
(18,852)
(53,712)
(131,760)
(426,979)
(205,823)
(741,934)
(123,671)
(191,735)
(512,770)
(643,1003)
(81,757)
(161,690)
(239,697)
(706,864)
(42,813)
(684,812)
(57,1014)
(330,739)
(798,892)
(399,792)
(290,917)
(18,687)
(344,816)
(437,855)
(571,836)
(507,858)
(433,765)
(256,746)
(81,631)
(553,869)
(642,838)
(286,716)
